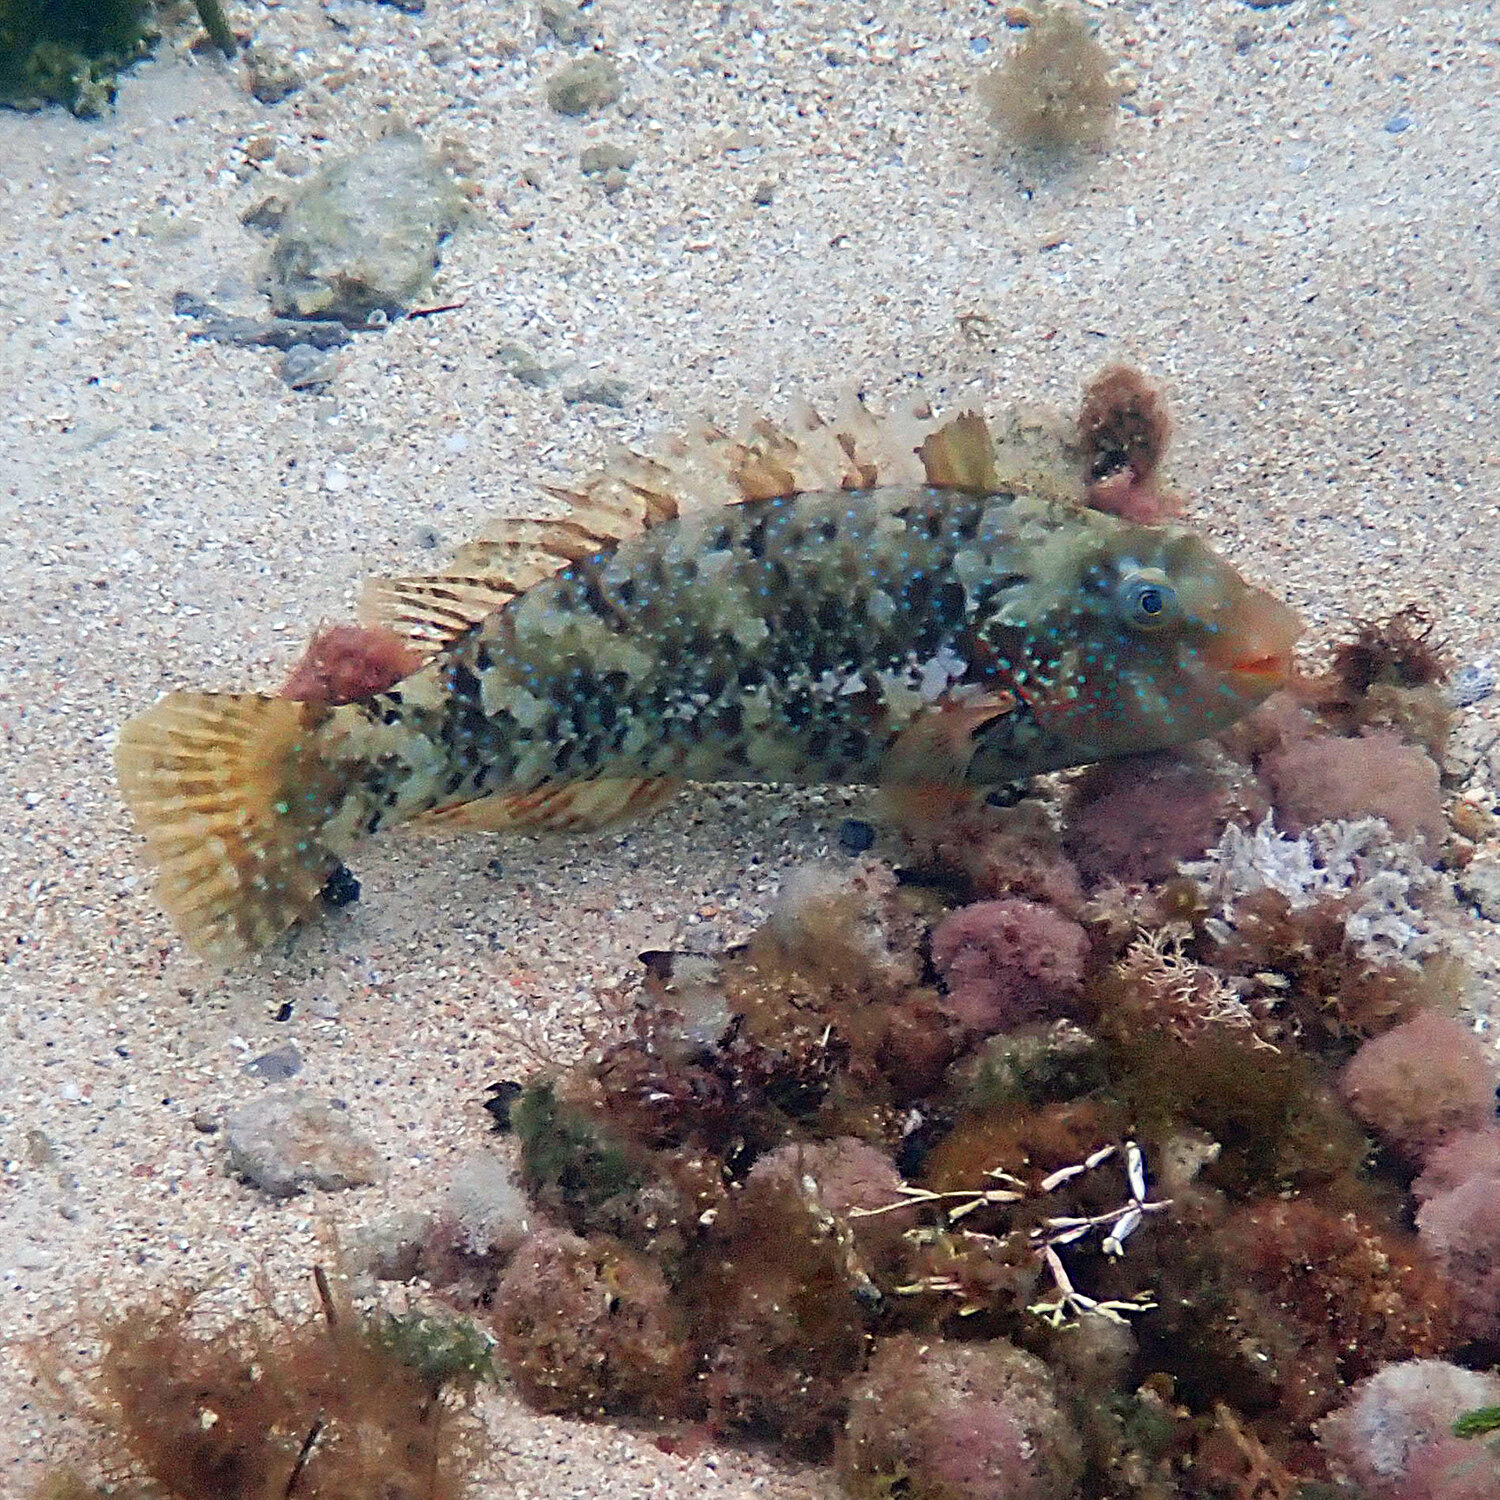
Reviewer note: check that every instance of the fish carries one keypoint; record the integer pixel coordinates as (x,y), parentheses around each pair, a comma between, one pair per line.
(842,601)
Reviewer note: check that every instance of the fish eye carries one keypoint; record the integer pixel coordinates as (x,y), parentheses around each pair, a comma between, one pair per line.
(1147,600)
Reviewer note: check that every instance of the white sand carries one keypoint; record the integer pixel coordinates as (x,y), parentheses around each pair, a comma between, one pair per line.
(1319,292)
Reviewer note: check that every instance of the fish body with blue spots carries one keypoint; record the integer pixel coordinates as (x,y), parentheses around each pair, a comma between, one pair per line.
(955,632)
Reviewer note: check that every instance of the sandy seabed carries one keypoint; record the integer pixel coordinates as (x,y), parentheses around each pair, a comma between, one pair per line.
(1295,229)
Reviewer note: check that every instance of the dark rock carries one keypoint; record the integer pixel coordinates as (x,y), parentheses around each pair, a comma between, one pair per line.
(855,835)
(341,888)
(502,1096)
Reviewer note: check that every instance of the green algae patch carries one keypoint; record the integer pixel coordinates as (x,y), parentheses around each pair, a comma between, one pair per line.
(69,52)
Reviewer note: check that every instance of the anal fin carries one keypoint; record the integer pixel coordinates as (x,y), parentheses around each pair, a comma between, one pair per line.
(553,807)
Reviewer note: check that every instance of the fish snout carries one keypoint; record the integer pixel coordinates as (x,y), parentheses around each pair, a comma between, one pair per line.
(1254,642)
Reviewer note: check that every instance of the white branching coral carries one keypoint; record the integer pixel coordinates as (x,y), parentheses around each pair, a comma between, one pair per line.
(1388,884)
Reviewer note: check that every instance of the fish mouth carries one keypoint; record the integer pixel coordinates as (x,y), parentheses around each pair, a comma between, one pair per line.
(1275,666)
(1256,641)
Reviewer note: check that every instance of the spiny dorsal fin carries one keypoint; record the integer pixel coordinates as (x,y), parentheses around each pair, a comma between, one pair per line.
(428,613)
(960,456)
(566,807)
(706,468)
(710,466)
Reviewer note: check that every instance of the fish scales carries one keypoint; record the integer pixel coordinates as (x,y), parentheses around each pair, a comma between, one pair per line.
(907,634)
(783,640)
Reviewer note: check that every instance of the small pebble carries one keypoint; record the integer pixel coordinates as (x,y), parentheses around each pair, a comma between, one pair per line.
(335,479)
(601,390)
(271,77)
(1396,124)
(305,368)
(596,161)
(564,20)
(855,835)
(586,84)
(266,215)
(522,364)
(1472,684)
(286,1143)
(1479,885)
(207,1121)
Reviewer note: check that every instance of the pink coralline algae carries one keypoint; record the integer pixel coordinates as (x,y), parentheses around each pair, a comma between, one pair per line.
(1008,962)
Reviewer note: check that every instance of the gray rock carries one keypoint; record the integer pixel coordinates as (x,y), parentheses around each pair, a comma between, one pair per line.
(1479,885)
(266,215)
(1472,684)
(306,368)
(390,1249)
(283,1062)
(364,233)
(411,7)
(586,84)
(286,1143)
(598,390)
(485,1206)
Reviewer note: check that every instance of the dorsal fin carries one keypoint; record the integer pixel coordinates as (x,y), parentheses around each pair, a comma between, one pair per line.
(960,455)
(710,466)
(429,612)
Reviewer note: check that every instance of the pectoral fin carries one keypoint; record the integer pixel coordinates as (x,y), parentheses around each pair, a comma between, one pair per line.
(924,776)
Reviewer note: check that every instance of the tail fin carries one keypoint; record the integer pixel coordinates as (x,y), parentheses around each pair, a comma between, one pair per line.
(231,805)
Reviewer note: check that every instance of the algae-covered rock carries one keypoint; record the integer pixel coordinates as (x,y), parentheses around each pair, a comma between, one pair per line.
(68,51)
(363,235)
